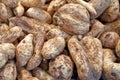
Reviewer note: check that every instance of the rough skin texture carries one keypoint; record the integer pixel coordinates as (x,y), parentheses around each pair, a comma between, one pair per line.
(10,3)
(73,18)
(29,25)
(7,51)
(109,39)
(41,74)
(61,68)
(24,50)
(55,5)
(5,12)
(36,58)
(112,72)
(59,39)
(113,26)
(9,71)
(57,32)
(87,55)
(19,10)
(97,28)
(4,27)
(100,6)
(39,14)
(112,12)
(32,3)
(117,48)
(53,47)
(10,35)
(25,75)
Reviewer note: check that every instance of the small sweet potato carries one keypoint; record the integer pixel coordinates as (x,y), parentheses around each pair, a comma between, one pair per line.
(53,47)
(61,68)
(24,50)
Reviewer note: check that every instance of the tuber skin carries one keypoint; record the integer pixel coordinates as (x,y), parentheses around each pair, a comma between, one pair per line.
(32,3)
(93,49)
(100,6)
(73,18)
(24,50)
(10,35)
(88,6)
(10,3)
(25,75)
(53,47)
(55,5)
(61,68)
(39,14)
(109,39)
(4,27)
(36,58)
(9,71)
(5,13)
(41,74)
(3,59)
(29,25)
(117,48)
(59,39)
(7,51)
(95,7)
(112,72)
(19,10)
(87,56)
(78,57)
(55,32)
(97,28)
(113,26)
(112,12)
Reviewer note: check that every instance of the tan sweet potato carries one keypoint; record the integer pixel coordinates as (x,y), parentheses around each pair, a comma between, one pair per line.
(113,26)
(88,6)
(29,25)
(32,3)
(36,58)
(61,68)
(10,35)
(97,28)
(7,51)
(9,71)
(4,28)
(100,6)
(39,14)
(41,74)
(25,75)
(19,10)
(73,18)
(55,5)
(55,32)
(5,13)
(53,47)
(117,48)
(109,39)
(87,56)
(24,50)
(112,72)
(112,12)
